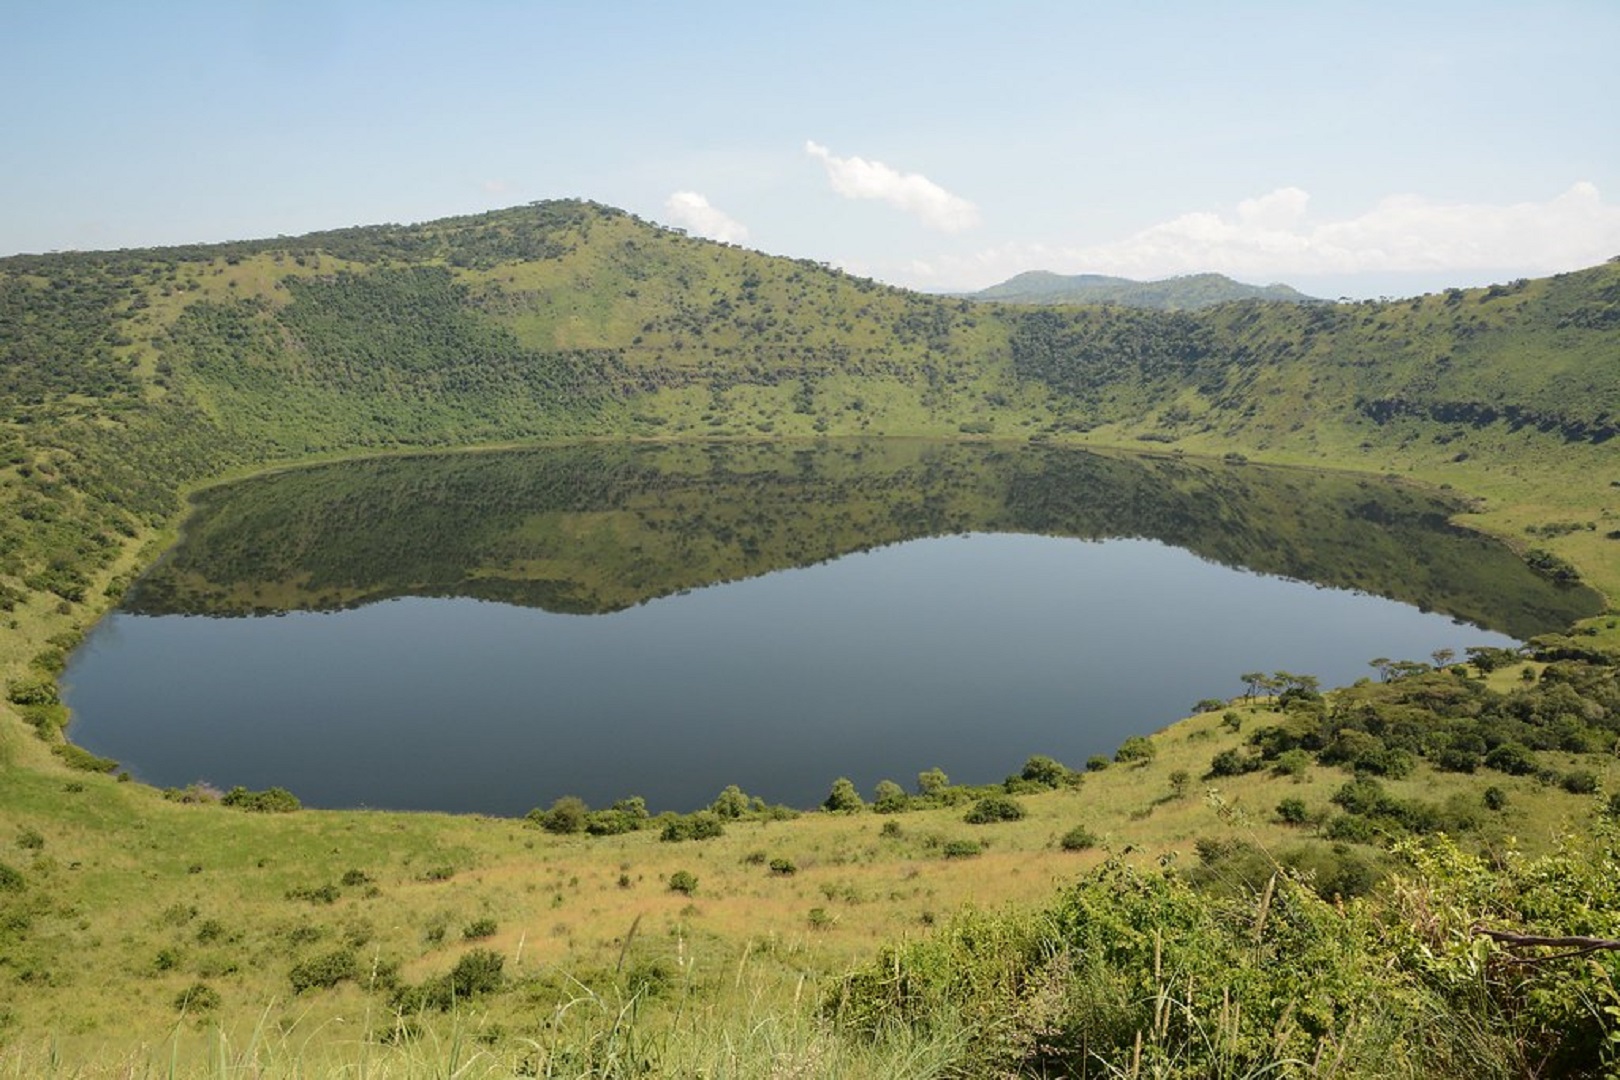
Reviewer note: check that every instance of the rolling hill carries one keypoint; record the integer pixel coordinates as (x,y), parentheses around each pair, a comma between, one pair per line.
(131,380)
(1183,293)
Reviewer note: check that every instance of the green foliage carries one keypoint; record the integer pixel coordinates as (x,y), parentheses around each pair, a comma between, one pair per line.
(315,894)
(625,815)
(1234,762)
(198,998)
(11,879)
(843,798)
(77,757)
(1041,772)
(568,814)
(890,798)
(1295,763)
(701,825)
(1292,811)
(1137,748)
(995,808)
(683,881)
(961,849)
(325,971)
(1512,758)
(31,691)
(1084,982)
(478,929)
(783,867)
(731,803)
(476,974)
(1079,838)
(273,800)
(932,782)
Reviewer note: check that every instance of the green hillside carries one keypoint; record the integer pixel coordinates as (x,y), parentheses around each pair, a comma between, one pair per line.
(1348,850)
(1183,293)
(129,375)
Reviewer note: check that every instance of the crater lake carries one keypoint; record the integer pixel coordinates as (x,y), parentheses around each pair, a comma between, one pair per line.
(486,632)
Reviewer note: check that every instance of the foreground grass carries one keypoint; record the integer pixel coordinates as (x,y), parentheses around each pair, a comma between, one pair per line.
(133,902)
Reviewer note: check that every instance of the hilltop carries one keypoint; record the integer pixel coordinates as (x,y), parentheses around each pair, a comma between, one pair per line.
(1182,293)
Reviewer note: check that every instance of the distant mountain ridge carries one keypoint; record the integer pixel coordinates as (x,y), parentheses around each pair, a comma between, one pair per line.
(1185,293)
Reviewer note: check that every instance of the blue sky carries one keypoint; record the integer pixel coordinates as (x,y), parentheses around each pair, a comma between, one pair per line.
(1348,149)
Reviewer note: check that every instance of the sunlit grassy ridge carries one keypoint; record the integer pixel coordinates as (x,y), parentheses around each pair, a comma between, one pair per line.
(132,926)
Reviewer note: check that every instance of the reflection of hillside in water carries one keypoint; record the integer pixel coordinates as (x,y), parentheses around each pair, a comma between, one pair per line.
(593,529)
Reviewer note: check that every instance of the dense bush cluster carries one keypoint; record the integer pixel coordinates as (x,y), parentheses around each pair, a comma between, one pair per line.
(1449,719)
(1262,975)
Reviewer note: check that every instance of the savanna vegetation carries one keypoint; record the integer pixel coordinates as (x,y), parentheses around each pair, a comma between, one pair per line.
(1357,881)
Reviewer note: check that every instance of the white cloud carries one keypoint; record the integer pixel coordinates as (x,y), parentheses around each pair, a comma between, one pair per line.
(692,211)
(1271,238)
(857,178)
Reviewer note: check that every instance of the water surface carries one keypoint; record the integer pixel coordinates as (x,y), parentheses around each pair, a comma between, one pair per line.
(488,632)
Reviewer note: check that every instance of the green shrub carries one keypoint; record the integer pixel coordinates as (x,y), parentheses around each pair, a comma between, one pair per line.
(890,798)
(11,879)
(1097,763)
(1293,763)
(567,815)
(1045,772)
(1513,758)
(843,798)
(32,691)
(1079,838)
(270,801)
(783,867)
(961,849)
(1234,762)
(1496,799)
(1292,811)
(684,882)
(324,972)
(994,808)
(1458,760)
(700,825)
(1136,748)
(1579,782)
(932,782)
(1351,828)
(478,929)
(731,803)
(475,974)
(199,997)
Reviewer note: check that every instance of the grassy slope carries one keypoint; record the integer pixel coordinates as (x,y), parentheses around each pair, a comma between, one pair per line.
(103,974)
(660,335)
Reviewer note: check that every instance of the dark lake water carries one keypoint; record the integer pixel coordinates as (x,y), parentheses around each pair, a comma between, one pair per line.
(488,632)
